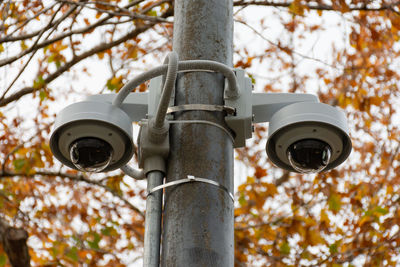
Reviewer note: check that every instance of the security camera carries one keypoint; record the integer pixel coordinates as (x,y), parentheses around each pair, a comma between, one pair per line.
(308,137)
(92,136)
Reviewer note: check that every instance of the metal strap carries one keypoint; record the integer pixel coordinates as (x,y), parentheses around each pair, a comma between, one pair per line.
(228,110)
(205,122)
(191,179)
(196,70)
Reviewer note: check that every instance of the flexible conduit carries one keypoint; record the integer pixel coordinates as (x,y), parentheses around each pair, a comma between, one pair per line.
(136,174)
(169,85)
(171,67)
(232,91)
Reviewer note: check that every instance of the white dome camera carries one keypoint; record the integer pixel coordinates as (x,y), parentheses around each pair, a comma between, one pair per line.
(92,136)
(308,137)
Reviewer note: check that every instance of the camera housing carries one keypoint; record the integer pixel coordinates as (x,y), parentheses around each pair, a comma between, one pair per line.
(295,124)
(81,122)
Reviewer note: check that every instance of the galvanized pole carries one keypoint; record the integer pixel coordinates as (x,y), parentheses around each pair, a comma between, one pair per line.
(198,217)
(152,232)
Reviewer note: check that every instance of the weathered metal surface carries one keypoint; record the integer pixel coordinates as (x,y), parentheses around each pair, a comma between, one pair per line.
(152,234)
(198,218)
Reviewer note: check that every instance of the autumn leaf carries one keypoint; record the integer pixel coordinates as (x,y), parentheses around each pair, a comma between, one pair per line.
(20,164)
(3,259)
(115,83)
(94,243)
(100,55)
(285,248)
(73,254)
(260,172)
(23,45)
(296,7)
(333,248)
(39,82)
(334,203)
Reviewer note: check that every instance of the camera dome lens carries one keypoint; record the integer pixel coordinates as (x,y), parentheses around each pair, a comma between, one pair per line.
(309,155)
(91,154)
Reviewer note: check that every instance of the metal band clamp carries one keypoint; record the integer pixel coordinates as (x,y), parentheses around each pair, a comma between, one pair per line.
(205,122)
(191,179)
(227,109)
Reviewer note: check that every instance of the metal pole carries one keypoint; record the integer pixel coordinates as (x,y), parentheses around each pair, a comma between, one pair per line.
(198,217)
(152,232)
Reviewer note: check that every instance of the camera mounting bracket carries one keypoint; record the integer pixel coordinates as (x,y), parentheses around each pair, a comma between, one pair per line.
(243,109)
(256,107)
(248,107)
(153,146)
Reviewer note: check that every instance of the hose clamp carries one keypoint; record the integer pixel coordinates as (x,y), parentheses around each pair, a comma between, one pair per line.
(191,179)
(202,107)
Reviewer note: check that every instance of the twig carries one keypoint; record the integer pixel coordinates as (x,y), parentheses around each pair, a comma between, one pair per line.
(322,7)
(18,147)
(126,13)
(45,43)
(99,48)
(277,220)
(77,178)
(34,52)
(36,46)
(5,39)
(70,29)
(4,14)
(281,48)
(144,11)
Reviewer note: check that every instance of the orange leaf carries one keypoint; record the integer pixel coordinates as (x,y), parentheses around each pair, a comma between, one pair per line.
(260,172)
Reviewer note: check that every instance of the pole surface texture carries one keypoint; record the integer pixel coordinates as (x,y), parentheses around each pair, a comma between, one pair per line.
(153,221)
(198,217)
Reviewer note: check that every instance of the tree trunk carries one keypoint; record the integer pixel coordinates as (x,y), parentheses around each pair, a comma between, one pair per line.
(14,244)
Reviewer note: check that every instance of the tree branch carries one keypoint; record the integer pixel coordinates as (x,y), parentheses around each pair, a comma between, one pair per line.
(322,7)
(17,95)
(124,13)
(282,48)
(34,51)
(155,5)
(10,38)
(97,49)
(276,220)
(73,177)
(89,28)
(27,20)
(21,145)
(48,26)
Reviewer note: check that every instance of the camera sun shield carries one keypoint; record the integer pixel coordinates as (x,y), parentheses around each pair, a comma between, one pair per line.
(312,121)
(91,119)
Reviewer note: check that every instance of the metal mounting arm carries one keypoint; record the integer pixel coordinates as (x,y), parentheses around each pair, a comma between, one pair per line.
(266,104)
(135,104)
(256,107)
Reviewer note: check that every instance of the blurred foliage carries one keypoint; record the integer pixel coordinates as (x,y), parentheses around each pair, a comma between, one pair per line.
(348,216)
